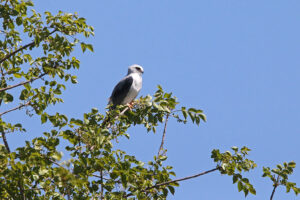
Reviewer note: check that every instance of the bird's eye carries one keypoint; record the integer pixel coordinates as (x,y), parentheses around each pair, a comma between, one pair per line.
(138,68)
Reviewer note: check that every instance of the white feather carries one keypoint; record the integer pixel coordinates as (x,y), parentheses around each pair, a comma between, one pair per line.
(134,89)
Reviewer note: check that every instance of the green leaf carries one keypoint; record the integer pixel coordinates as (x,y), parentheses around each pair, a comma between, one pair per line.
(252,190)
(8,98)
(292,164)
(184,112)
(44,118)
(235,178)
(19,21)
(171,189)
(240,186)
(57,156)
(203,117)
(74,79)
(17,75)
(83,47)
(90,47)
(94,110)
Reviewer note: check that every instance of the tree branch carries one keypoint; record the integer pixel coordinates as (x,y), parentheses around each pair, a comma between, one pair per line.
(22,48)
(275,186)
(176,180)
(22,83)
(160,151)
(107,119)
(101,191)
(5,141)
(100,177)
(22,194)
(16,108)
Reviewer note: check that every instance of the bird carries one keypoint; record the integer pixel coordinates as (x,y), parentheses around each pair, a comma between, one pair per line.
(128,88)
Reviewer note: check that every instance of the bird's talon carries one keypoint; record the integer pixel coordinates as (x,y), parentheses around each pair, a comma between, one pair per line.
(130,105)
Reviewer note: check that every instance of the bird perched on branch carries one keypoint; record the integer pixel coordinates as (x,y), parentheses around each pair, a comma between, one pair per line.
(128,88)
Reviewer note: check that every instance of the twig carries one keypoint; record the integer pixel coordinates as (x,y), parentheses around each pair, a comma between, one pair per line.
(275,186)
(176,180)
(2,79)
(21,188)
(16,108)
(56,163)
(5,141)
(160,151)
(22,83)
(34,189)
(101,178)
(22,48)
(108,118)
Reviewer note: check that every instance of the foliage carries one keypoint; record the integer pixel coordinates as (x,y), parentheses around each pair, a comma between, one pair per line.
(233,165)
(279,176)
(36,64)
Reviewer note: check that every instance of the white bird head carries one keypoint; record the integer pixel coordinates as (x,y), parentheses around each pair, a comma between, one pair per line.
(135,69)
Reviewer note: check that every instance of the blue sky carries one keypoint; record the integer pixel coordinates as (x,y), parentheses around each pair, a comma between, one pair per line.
(236,60)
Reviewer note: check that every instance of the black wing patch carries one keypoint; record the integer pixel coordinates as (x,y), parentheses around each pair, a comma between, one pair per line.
(121,90)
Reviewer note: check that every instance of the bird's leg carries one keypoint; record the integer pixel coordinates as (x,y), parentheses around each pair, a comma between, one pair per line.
(131,104)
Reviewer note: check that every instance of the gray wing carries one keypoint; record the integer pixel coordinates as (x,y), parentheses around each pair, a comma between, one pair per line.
(121,90)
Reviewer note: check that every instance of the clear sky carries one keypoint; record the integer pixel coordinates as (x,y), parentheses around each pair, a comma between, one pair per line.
(238,60)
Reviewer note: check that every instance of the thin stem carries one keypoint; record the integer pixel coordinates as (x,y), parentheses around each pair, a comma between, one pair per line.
(183,179)
(22,83)
(101,178)
(16,108)
(21,189)
(5,141)
(160,151)
(176,180)
(275,186)
(107,119)
(2,79)
(34,189)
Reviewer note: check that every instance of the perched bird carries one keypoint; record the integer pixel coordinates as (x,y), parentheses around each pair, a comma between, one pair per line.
(128,88)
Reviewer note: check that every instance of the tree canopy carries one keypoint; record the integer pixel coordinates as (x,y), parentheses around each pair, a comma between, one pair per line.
(36,62)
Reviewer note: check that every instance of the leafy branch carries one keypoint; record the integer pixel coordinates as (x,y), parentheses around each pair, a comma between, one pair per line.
(280,175)
(233,164)
(22,83)
(23,48)
(15,108)
(175,181)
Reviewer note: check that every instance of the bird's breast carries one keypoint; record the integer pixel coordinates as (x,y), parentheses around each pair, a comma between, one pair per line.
(137,82)
(134,89)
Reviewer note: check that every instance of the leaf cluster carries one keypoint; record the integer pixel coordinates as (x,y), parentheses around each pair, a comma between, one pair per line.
(233,164)
(280,176)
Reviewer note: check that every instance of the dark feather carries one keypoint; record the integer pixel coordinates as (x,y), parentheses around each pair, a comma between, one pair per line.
(121,90)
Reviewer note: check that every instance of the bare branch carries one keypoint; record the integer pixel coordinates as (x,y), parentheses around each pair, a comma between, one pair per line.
(22,48)
(161,148)
(5,141)
(16,108)
(176,180)
(22,83)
